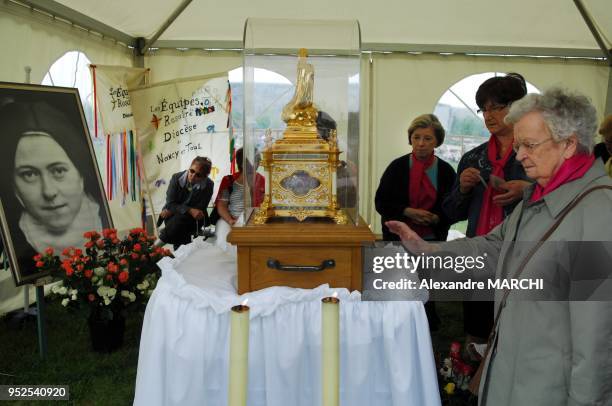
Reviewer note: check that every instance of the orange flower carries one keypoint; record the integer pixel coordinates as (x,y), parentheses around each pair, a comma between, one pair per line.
(124,276)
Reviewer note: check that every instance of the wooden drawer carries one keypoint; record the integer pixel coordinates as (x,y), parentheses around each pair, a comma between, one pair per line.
(263,276)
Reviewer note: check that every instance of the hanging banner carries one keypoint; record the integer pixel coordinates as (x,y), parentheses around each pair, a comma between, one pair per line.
(115,141)
(111,84)
(177,121)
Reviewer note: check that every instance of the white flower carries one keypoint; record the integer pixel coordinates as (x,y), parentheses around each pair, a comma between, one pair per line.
(74,296)
(62,290)
(65,302)
(73,292)
(55,288)
(100,271)
(143,286)
(94,279)
(132,297)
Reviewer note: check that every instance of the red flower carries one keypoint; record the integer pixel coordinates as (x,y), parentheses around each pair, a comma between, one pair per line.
(137,247)
(115,240)
(134,255)
(40,264)
(123,261)
(69,271)
(89,244)
(78,252)
(112,268)
(37,257)
(109,277)
(100,243)
(88,273)
(66,251)
(91,297)
(80,267)
(124,276)
(49,251)
(88,234)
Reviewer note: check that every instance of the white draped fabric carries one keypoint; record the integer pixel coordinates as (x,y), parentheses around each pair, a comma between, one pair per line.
(386,356)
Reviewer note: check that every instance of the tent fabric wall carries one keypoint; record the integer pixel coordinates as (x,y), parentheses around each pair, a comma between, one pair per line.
(408,85)
(35,40)
(166,64)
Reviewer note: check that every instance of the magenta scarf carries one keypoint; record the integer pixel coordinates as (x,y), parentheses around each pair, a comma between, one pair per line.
(422,193)
(490,213)
(573,168)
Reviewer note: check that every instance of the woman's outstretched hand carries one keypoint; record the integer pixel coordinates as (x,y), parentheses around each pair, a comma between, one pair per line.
(411,240)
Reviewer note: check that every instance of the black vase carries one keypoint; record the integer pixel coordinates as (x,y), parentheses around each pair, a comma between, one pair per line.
(106,335)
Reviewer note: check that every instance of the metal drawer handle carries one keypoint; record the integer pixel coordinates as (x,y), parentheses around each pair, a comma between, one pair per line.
(275,264)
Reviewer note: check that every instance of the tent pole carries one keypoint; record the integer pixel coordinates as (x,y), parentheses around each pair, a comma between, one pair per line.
(147,45)
(589,22)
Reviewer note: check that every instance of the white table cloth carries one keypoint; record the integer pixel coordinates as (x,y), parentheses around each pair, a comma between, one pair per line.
(386,356)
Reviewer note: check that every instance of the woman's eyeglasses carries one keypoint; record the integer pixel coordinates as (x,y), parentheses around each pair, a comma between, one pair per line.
(529,146)
(492,108)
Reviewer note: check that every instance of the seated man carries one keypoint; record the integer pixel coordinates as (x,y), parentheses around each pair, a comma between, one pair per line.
(187,198)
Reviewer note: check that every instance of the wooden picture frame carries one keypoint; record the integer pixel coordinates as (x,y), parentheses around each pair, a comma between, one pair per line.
(51,191)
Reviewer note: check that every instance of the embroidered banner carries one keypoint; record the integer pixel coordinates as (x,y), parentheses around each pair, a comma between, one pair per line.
(177,121)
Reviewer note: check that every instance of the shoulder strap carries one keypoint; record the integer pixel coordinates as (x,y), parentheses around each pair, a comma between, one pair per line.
(546,235)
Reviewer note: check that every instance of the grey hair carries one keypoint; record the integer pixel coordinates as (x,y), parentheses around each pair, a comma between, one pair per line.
(564,112)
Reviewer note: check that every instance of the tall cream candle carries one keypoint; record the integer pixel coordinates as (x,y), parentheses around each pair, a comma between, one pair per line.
(239,355)
(330,354)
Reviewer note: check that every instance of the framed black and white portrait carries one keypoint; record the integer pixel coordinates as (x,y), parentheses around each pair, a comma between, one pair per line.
(51,192)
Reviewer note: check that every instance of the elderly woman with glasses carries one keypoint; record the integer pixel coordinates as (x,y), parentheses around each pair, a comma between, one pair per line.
(554,351)
(490,182)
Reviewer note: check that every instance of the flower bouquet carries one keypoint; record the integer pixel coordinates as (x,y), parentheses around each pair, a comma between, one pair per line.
(110,276)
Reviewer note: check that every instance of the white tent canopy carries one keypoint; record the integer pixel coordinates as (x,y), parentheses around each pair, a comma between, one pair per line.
(546,24)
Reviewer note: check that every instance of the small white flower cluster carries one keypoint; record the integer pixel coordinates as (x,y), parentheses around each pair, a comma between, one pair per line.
(107,294)
(146,287)
(129,295)
(63,291)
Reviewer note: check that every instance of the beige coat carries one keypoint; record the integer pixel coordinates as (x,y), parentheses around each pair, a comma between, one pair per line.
(551,353)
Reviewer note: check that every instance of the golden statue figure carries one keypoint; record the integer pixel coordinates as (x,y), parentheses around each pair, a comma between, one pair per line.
(300,113)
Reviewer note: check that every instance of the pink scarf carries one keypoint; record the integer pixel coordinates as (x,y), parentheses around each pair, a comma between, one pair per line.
(422,193)
(490,213)
(573,168)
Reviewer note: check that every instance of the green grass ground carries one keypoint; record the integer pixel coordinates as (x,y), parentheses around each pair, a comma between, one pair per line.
(94,378)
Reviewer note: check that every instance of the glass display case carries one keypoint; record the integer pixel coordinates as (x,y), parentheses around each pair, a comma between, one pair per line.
(301,121)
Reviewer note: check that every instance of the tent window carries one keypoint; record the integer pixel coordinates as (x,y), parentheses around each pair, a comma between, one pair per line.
(72,70)
(269,85)
(457,111)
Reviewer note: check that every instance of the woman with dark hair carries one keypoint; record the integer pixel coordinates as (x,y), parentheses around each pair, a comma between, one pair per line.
(490,183)
(51,199)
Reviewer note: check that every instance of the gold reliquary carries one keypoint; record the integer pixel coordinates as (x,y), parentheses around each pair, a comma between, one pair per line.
(301,166)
